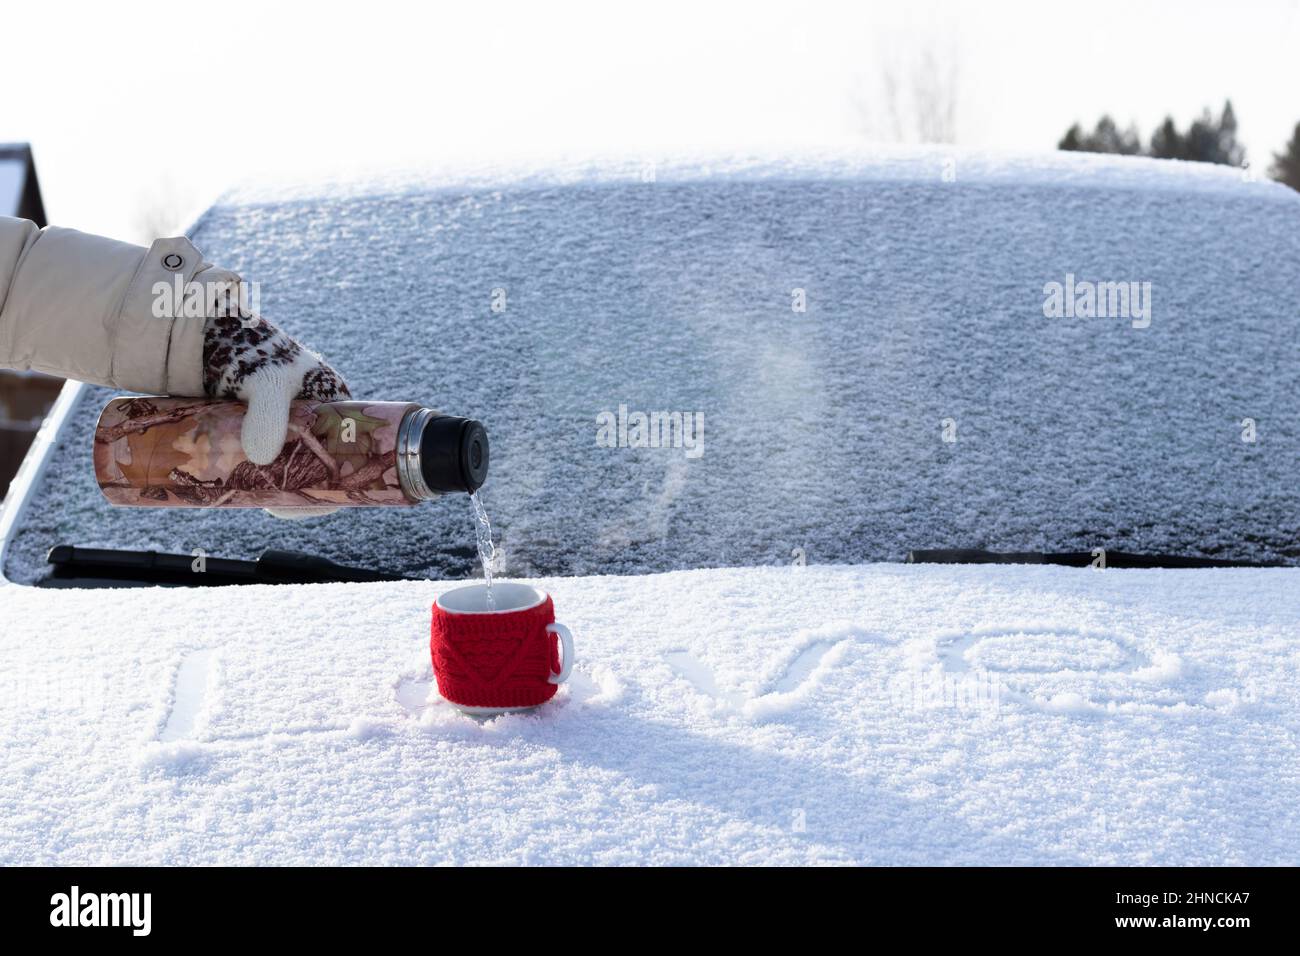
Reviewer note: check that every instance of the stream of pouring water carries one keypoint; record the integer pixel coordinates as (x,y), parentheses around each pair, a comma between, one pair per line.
(487,551)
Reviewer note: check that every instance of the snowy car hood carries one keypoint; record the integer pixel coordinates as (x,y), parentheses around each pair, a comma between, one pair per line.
(869,714)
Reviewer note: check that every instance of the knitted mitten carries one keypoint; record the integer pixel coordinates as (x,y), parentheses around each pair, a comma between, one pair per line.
(248,359)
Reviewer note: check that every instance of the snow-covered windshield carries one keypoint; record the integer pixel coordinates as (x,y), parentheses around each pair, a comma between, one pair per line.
(868,363)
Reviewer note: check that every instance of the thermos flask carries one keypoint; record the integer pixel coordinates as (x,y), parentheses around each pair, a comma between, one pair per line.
(186,453)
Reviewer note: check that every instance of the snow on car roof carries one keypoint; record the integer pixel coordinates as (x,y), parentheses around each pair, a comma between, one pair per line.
(885,714)
(921,399)
(839,163)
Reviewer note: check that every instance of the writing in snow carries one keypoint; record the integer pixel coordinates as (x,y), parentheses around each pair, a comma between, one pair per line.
(626,429)
(1102,300)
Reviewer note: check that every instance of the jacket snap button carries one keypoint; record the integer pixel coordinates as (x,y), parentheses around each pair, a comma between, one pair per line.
(173,261)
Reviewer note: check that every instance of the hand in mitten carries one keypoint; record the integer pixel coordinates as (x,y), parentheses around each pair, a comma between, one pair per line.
(252,361)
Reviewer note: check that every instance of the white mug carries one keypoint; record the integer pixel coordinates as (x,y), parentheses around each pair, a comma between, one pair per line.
(499,657)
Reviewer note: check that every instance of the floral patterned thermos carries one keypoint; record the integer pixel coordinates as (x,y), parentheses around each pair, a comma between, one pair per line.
(186,453)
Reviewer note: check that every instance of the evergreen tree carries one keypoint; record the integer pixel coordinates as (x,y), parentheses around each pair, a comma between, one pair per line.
(1167,142)
(1202,139)
(1232,152)
(1286,165)
(1208,141)
(1106,138)
(1072,141)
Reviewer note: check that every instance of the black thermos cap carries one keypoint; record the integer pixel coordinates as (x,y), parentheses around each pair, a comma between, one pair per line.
(453,454)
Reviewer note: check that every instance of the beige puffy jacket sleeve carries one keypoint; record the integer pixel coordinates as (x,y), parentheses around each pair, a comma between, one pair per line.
(85,307)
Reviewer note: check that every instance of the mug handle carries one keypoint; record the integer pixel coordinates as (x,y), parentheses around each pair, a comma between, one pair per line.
(566,643)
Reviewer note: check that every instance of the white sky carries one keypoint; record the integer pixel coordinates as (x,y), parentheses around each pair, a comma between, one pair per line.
(136,110)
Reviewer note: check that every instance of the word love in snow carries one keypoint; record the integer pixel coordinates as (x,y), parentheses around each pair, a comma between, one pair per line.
(1102,300)
(103,909)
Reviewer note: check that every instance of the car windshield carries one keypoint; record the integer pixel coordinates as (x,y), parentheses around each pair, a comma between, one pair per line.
(853,361)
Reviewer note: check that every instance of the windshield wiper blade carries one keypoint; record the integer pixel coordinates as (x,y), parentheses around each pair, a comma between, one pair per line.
(1076,559)
(124,567)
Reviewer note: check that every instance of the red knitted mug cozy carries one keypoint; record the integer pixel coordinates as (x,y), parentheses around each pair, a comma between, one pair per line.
(504,659)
